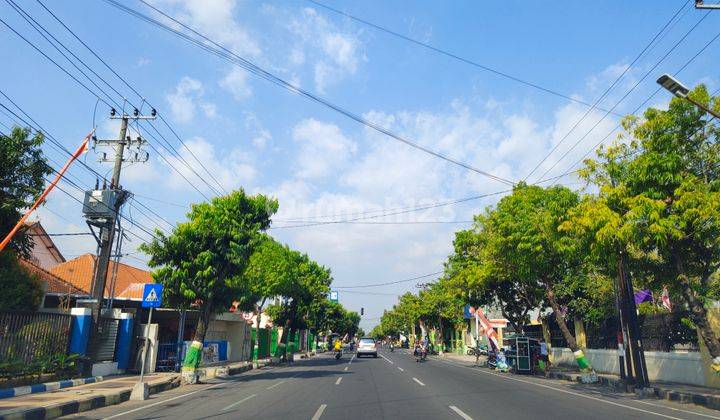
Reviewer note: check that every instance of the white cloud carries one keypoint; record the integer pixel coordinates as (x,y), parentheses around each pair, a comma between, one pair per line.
(187,98)
(215,18)
(323,148)
(230,168)
(334,53)
(236,82)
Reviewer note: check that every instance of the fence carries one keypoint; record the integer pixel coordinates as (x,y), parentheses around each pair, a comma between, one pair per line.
(659,332)
(168,359)
(28,336)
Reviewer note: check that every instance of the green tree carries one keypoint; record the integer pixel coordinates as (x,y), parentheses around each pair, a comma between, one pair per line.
(527,245)
(203,260)
(659,203)
(21,290)
(267,273)
(22,178)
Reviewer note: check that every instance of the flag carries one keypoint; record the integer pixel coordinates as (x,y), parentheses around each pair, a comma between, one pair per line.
(665,299)
(82,149)
(643,296)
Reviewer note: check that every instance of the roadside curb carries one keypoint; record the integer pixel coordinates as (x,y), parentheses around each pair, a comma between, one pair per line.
(80,404)
(47,386)
(89,403)
(710,401)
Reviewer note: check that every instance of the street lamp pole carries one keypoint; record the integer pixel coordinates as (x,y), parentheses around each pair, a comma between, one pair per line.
(673,86)
(700,5)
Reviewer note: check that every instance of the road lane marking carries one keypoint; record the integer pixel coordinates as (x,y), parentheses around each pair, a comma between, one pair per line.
(629,407)
(134,410)
(387,360)
(338,381)
(274,385)
(345,369)
(239,402)
(351,359)
(460,413)
(319,412)
(677,409)
(401,369)
(418,381)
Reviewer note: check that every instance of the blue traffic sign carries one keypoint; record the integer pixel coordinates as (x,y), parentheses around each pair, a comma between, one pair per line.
(152,295)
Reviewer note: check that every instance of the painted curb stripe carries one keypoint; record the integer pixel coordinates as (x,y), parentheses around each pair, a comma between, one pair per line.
(49,386)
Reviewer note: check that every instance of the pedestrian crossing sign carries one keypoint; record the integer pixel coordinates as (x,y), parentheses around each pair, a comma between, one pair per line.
(152,295)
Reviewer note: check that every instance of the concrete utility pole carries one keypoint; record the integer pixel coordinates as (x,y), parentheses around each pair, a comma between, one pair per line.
(102,208)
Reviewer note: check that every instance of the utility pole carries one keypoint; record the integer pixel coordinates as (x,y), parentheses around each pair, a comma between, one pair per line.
(633,340)
(102,208)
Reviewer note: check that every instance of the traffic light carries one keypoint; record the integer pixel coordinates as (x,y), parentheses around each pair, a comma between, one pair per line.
(362,311)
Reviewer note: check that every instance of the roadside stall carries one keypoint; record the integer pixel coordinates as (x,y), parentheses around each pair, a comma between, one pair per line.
(522,353)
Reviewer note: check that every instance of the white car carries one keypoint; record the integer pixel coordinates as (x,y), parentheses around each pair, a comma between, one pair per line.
(367,347)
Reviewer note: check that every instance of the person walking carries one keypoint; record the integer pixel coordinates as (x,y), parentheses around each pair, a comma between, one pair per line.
(544,358)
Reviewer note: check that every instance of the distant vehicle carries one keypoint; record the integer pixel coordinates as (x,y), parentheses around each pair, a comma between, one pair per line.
(367,347)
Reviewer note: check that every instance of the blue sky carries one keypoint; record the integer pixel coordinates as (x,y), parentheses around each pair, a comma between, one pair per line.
(252,134)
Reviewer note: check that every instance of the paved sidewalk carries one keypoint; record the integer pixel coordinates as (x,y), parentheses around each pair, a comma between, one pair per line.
(81,398)
(704,396)
(112,390)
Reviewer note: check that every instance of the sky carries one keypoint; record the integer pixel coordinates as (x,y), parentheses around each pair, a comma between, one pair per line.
(321,165)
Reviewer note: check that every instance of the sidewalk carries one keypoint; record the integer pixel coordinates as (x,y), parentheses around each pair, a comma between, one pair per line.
(112,390)
(703,396)
(81,398)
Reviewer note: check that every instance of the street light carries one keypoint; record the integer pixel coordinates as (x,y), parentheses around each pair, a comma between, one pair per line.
(699,5)
(678,89)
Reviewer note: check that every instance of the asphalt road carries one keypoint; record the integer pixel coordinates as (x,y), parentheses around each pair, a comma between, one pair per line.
(393,386)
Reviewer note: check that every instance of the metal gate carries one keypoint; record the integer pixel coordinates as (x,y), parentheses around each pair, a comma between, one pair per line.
(103,346)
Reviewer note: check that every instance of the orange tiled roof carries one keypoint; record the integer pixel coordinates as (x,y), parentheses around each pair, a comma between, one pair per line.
(79,272)
(54,283)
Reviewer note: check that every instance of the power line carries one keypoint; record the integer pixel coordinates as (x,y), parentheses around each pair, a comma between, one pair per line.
(606,92)
(160,115)
(170,148)
(687,63)
(634,87)
(410,210)
(237,60)
(390,282)
(452,55)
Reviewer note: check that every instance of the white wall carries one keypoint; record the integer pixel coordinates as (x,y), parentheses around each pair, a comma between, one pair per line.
(681,367)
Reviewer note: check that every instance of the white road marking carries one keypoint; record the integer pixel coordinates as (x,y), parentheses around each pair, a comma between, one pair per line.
(460,412)
(351,359)
(387,360)
(569,392)
(677,409)
(319,412)
(345,369)
(277,384)
(239,402)
(134,410)
(401,369)
(420,383)
(338,381)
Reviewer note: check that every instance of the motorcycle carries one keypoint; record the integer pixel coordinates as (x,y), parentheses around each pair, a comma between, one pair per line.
(338,354)
(392,347)
(477,351)
(421,354)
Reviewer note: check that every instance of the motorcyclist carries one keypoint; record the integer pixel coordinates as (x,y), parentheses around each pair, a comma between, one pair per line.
(337,348)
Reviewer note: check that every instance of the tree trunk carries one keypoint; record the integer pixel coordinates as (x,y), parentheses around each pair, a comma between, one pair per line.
(257,328)
(699,315)
(580,358)
(284,338)
(569,338)
(193,357)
